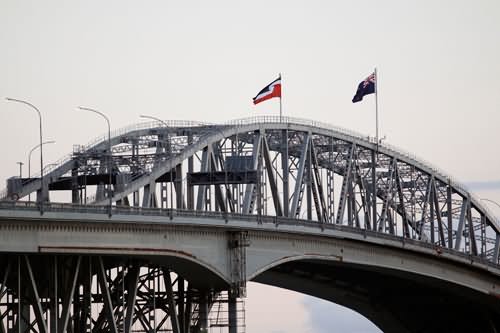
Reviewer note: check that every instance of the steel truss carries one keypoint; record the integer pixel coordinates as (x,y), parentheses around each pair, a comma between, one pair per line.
(82,293)
(293,169)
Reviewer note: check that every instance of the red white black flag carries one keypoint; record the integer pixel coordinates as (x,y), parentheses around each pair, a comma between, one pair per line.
(273,89)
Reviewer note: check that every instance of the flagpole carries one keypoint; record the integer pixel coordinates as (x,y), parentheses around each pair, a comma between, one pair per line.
(376,106)
(281,94)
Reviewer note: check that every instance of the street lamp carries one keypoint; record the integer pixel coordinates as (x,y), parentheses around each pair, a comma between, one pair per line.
(29,160)
(41,150)
(169,147)
(110,161)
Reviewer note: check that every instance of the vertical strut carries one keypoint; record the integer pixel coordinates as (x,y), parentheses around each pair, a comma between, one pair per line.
(387,201)
(297,194)
(308,180)
(203,168)
(461,222)
(449,215)
(345,185)
(37,306)
(251,189)
(108,305)
(54,308)
(438,215)
(319,198)
(284,165)
(190,188)
(374,189)
(67,298)
(131,282)
(402,208)
(171,301)
(272,179)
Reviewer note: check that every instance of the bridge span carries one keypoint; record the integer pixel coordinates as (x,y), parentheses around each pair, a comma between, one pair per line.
(166,228)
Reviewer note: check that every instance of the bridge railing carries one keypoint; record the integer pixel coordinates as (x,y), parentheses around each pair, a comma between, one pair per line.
(170,214)
(143,126)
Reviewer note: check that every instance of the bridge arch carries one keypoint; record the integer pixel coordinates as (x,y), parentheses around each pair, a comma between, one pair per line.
(291,168)
(293,174)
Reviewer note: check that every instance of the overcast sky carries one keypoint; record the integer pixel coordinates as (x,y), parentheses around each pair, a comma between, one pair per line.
(438,64)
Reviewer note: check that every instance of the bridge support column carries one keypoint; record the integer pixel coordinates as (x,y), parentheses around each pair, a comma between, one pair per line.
(203,306)
(238,241)
(232,315)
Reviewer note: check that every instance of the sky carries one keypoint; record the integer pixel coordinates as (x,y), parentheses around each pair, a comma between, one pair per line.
(438,81)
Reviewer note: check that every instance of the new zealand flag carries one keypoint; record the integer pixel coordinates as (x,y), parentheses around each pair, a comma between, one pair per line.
(366,87)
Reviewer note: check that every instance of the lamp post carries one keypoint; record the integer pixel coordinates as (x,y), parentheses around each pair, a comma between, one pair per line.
(29,159)
(169,147)
(41,150)
(110,161)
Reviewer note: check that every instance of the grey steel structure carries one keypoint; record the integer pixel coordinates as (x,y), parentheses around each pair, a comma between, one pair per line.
(200,209)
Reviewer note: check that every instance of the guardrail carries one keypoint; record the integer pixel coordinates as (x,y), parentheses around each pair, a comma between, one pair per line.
(259,219)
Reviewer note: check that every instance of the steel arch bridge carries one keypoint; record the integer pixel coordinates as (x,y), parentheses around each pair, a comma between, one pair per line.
(307,179)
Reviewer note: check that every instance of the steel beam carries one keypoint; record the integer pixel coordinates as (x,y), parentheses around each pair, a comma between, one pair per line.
(205,165)
(321,209)
(424,209)
(67,298)
(190,188)
(272,180)
(449,214)
(472,236)
(438,215)
(37,306)
(374,190)
(285,171)
(250,189)
(174,319)
(295,210)
(108,305)
(496,249)
(404,215)
(388,200)
(345,185)
(461,223)
(131,283)
(3,290)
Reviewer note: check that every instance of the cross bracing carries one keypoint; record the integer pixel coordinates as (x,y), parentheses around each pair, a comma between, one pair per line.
(296,169)
(85,293)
